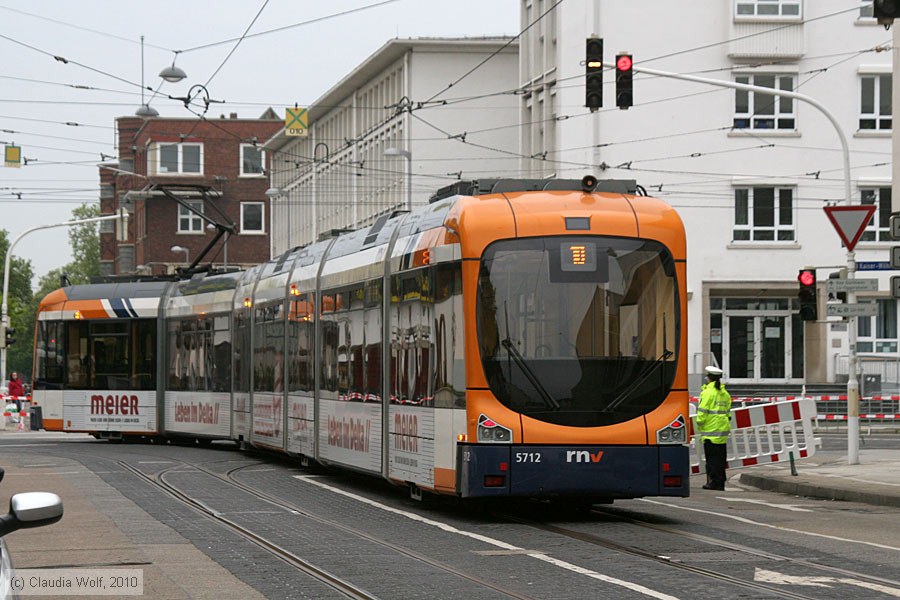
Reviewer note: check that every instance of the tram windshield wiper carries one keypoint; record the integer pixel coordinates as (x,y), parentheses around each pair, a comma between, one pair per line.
(666,354)
(529,374)
(648,370)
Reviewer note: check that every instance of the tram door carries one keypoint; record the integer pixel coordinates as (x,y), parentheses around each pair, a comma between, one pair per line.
(763,347)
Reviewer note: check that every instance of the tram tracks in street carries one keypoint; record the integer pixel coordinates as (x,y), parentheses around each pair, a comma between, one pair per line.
(605,542)
(230,478)
(159,480)
(829,569)
(343,586)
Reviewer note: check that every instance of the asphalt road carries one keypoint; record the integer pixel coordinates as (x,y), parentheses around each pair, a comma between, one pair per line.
(363,532)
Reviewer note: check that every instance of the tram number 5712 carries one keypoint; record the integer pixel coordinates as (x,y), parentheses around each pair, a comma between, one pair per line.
(528,457)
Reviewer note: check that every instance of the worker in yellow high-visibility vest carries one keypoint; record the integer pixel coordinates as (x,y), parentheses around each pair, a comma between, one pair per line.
(714,425)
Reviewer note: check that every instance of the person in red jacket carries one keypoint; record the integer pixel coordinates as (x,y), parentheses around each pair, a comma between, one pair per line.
(16,390)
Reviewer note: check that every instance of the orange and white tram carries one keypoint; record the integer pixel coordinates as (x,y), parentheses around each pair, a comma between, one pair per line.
(512,338)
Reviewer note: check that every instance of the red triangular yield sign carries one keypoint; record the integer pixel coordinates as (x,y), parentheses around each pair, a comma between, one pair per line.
(850,221)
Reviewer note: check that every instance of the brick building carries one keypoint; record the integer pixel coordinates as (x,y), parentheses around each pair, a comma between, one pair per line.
(222,157)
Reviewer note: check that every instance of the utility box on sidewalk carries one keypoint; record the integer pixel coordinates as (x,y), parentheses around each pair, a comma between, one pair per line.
(37,419)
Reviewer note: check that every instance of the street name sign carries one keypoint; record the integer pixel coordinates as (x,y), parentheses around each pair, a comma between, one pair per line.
(851,285)
(869,309)
(850,221)
(873,265)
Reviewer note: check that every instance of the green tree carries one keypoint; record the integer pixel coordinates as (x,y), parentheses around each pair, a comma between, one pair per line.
(85,243)
(19,302)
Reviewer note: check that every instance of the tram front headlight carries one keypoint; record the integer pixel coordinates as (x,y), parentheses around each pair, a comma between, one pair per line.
(491,432)
(673,433)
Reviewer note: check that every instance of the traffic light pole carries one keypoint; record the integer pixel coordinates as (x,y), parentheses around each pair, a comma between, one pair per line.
(852,381)
(4,317)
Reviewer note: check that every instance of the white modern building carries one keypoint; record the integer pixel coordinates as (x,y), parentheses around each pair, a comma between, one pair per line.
(415,116)
(750,174)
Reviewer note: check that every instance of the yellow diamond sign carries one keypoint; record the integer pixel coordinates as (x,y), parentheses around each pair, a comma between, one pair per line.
(296,122)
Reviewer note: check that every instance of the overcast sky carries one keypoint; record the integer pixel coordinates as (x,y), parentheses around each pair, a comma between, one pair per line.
(40,95)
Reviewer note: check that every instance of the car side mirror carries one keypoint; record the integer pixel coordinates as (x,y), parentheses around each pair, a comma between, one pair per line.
(31,509)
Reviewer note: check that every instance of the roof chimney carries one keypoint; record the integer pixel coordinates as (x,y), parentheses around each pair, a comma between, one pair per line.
(233,116)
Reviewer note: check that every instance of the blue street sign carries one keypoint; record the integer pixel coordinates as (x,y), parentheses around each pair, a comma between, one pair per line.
(873,266)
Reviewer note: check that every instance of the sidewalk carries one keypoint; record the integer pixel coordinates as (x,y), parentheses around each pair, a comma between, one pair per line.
(103,529)
(876,480)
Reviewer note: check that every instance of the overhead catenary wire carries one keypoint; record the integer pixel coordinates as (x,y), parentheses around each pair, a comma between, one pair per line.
(238,42)
(514,156)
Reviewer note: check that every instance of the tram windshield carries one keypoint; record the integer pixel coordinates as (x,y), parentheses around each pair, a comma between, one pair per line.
(578,330)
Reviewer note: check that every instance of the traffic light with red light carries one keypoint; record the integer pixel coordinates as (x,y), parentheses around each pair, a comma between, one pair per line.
(809,306)
(624,81)
(593,70)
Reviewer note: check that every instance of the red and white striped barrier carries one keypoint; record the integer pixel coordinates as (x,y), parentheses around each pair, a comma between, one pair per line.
(815,398)
(876,413)
(873,416)
(7,398)
(764,433)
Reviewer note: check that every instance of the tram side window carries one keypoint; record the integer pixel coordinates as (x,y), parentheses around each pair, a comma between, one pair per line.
(412,312)
(144,353)
(372,339)
(221,354)
(177,375)
(78,361)
(200,356)
(268,353)
(191,354)
(110,355)
(448,376)
(301,344)
(241,371)
(352,343)
(50,355)
(330,337)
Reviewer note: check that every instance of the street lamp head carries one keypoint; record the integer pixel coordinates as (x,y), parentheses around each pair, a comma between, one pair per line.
(145,111)
(397,152)
(173,74)
(273,192)
(178,249)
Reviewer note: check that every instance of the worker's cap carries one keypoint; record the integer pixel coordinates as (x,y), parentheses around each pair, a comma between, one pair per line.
(711,370)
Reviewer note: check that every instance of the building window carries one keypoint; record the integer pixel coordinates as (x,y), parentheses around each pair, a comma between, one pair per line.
(875,105)
(188,222)
(767,8)
(764,214)
(253,160)
(252,217)
(866,11)
(879,227)
(878,333)
(754,110)
(175,159)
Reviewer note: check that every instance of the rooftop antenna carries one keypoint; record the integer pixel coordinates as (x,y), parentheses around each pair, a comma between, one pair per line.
(145,110)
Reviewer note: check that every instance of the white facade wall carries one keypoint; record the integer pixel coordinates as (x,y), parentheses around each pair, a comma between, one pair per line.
(339,177)
(678,143)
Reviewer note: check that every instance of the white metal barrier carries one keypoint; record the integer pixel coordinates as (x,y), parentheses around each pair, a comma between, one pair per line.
(763,433)
(14,418)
